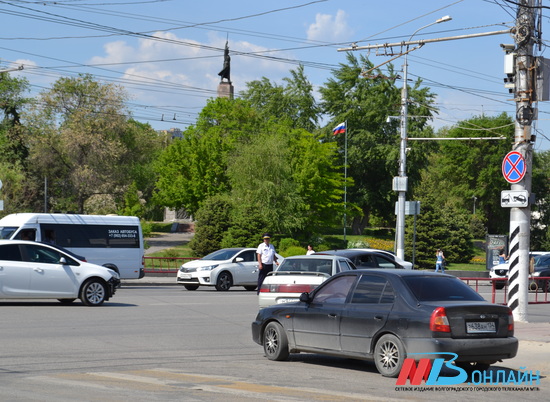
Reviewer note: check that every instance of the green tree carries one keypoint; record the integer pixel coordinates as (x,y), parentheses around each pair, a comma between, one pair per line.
(439,226)
(540,222)
(365,102)
(211,223)
(194,168)
(12,103)
(83,142)
(293,101)
(463,169)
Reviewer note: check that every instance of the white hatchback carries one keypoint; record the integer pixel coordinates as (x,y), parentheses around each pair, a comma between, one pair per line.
(30,270)
(222,269)
(299,274)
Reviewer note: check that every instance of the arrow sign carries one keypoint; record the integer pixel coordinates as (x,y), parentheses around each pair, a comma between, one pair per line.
(513,167)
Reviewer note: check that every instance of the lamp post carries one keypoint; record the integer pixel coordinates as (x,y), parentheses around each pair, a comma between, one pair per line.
(400,182)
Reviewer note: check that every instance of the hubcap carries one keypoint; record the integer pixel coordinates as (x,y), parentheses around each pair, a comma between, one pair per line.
(389,355)
(95,293)
(271,341)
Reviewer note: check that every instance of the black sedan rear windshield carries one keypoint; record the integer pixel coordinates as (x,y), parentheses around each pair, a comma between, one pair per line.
(433,288)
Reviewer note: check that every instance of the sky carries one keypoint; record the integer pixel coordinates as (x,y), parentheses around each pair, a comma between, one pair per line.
(167,53)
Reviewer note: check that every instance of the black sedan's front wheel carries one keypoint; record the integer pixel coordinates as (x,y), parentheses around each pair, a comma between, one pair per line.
(389,355)
(275,342)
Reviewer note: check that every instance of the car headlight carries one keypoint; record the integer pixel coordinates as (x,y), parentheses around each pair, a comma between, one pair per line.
(208,268)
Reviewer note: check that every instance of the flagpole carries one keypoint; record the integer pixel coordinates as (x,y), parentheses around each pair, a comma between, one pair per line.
(345,178)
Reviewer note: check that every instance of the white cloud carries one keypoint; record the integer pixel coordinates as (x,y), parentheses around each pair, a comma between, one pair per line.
(329,28)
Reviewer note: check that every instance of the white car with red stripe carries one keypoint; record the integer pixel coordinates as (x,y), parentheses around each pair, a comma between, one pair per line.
(299,274)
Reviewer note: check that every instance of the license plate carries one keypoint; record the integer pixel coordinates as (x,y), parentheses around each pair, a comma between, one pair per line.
(286,300)
(480,327)
(185,276)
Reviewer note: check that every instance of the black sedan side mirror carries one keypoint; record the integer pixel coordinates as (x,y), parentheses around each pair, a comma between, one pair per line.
(305,297)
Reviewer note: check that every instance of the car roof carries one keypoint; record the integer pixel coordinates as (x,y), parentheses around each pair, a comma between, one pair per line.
(397,272)
(315,256)
(348,252)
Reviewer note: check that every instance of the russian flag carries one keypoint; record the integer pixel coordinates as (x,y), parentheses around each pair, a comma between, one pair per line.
(339,129)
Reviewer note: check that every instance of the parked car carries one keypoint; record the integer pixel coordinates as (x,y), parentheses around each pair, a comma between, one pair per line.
(31,270)
(541,268)
(541,265)
(499,271)
(362,258)
(389,254)
(385,315)
(223,269)
(299,274)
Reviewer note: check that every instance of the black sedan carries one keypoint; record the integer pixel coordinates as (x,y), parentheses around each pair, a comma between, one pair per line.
(383,315)
(366,259)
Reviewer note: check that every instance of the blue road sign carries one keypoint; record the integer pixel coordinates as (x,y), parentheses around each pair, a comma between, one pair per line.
(513,167)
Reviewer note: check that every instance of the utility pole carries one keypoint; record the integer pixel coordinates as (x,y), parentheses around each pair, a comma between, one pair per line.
(525,96)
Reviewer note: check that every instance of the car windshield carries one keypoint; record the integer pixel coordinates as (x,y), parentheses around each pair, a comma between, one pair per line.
(433,288)
(7,231)
(541,260)
(307,265)
(221,255)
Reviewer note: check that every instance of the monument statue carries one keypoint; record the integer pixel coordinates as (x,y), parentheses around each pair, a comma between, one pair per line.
(225,73)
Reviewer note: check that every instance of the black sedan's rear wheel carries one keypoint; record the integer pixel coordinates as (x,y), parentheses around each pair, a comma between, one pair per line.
(191,287)
(275,342)
(224,281)
(389,355)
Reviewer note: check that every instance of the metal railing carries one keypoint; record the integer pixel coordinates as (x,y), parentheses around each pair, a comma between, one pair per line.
(538,288)
(164,265)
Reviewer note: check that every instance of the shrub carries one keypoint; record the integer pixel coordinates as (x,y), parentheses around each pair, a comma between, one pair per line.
(293,250)
(286,243)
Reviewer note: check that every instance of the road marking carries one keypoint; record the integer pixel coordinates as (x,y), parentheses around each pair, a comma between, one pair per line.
(165,380)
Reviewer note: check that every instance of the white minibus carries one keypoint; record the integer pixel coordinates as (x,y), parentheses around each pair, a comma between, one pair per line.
(112,241)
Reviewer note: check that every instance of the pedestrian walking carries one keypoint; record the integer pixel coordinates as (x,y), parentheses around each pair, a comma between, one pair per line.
(439,261)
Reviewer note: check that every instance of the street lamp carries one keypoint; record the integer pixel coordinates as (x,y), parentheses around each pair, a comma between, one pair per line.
(400,182)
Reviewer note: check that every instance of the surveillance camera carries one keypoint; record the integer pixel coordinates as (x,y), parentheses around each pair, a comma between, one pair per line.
(507,47)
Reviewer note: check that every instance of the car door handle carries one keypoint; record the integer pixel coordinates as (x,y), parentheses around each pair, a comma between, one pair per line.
(38,270)
(378,318)
(332,315)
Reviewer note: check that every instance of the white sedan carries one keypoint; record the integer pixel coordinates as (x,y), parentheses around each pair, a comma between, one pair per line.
(30,270)
(300,274)
(222,269)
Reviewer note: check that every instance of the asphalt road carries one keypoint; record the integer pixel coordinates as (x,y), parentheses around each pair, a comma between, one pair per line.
(160,343)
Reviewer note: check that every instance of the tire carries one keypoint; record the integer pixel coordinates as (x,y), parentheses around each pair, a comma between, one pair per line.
(275,342)
(191,287)
(389,355)
(251,288)
(66,301)
(224,281)
(499,285)
(93,293)
(470,367)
